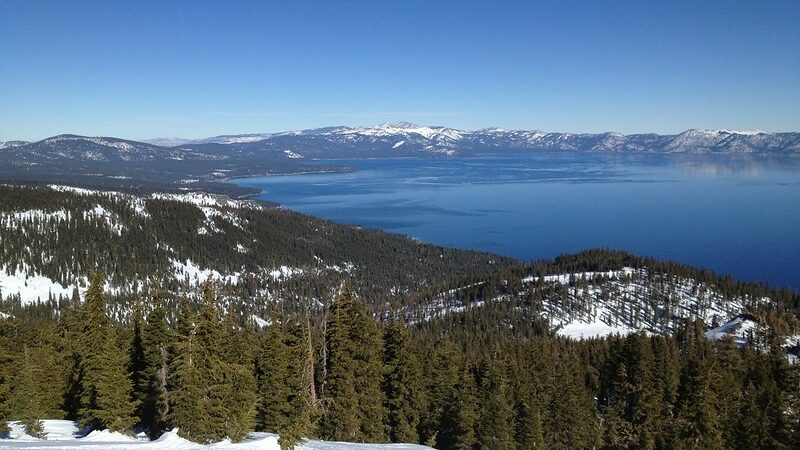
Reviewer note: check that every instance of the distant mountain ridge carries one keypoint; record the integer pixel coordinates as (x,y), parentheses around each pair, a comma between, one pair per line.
(174,164)
(405,139)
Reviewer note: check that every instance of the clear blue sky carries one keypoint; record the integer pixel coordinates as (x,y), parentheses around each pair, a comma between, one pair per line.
(193,69)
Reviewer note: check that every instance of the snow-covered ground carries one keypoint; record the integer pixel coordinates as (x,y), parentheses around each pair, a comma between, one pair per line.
(740,328)
(30,287)
(64,434)
(589,330)
(596,304)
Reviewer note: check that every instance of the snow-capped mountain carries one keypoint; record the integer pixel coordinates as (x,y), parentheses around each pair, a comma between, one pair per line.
(123,164)
(408,139)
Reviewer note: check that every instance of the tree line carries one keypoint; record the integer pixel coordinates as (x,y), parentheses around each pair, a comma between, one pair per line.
(352,377)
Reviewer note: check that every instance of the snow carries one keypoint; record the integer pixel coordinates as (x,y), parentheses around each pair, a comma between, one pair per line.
(398,144)
(740,328)
(30,287)
(198,275)
(57,430)
(122,145)
(107,436)
(596,329)
(293,155)
(110,220)
(565,277)
(64,434)
(402,129)
(32,214)
(234,139)
(285,272)
(137,204)
(715,133)
(204,199)
(613,302)
(74,190)
(261,323)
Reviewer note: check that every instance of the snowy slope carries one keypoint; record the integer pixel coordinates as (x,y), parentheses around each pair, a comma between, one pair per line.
(31,286)
(741,329)
(594,304)
(63,434)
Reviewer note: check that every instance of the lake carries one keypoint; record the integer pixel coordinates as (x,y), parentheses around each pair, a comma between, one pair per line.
(734,215)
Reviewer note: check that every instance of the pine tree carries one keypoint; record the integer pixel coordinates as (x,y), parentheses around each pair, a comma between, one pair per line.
(274,412)
(105,385)
(185,385)
(68,344)
(696,423)
(402,384)
(667,371)
(460,414)
(136,363)
(569,415)
(495,427)
(341,418)
(354,399)
(240,400)
(619,431)
(7,332)
(37,388)
(367,347)
(441,377)
(198,376)
(302,390)
(212,385)
(529,433)
(156,339)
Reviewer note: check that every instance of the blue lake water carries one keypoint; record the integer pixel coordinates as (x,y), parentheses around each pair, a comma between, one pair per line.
(734,215)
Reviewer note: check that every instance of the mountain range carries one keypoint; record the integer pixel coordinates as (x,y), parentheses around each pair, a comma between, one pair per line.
(170,164)
(405,139)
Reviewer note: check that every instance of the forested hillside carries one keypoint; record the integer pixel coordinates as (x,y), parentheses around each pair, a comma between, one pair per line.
(263,257)
(354,378)
(219,317)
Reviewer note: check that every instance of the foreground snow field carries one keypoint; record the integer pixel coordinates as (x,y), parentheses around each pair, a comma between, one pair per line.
(63,434)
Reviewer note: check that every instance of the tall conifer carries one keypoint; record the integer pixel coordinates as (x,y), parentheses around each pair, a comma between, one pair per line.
(273,378)
(402,384)
(156,341)
(105,384)
(341,419)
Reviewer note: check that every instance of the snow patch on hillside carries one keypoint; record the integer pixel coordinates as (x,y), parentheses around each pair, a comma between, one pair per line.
(585,305)
(292,155)
(596,329)
(285,272)
(204,199)
(741,329)
(197,275)
(8,219)
(564,278)
(74,190)
(107,217)
(30,287)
